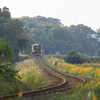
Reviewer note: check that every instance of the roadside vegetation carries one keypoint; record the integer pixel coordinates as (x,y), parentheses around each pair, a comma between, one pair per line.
(30,74)
(88,91)
(28,78)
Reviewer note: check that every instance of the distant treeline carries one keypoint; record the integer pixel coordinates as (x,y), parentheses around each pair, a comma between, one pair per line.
(56,38)
(59,39)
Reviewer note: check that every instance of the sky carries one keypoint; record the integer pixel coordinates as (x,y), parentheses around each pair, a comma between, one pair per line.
(70,12)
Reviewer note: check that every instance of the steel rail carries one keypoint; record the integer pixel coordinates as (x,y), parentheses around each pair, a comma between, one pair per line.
(62,73)
(50,89)
(62,81)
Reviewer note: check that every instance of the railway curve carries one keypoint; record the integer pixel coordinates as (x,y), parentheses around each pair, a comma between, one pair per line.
(64,81)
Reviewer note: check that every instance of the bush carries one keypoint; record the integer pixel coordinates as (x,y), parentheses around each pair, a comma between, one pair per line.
(76,58)
(72,57)
(84,58)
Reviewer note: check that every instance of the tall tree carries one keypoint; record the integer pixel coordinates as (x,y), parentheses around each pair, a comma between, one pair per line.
(5,12)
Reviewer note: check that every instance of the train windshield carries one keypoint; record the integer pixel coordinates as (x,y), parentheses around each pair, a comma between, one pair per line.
(37,47)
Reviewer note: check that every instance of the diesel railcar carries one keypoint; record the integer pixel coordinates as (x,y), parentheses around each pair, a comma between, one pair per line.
(37,49)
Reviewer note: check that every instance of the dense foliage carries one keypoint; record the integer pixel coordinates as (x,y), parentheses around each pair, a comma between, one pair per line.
(12,31)
(73,57)
(59,39)
(7,71)
(6,51)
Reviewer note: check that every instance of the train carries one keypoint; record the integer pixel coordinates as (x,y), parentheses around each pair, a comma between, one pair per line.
(37,49)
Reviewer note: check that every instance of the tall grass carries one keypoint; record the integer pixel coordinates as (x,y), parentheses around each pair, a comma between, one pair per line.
(30,78)
(30,74)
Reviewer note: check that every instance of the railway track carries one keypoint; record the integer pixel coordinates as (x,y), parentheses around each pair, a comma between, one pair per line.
(63,82)
(70,80)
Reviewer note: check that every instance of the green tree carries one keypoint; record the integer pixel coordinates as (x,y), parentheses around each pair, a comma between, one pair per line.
(6,58)
(6,51)
(77,58)
(72,57)
(5,12)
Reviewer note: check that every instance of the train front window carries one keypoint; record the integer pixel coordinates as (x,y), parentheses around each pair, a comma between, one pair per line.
(37,48)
